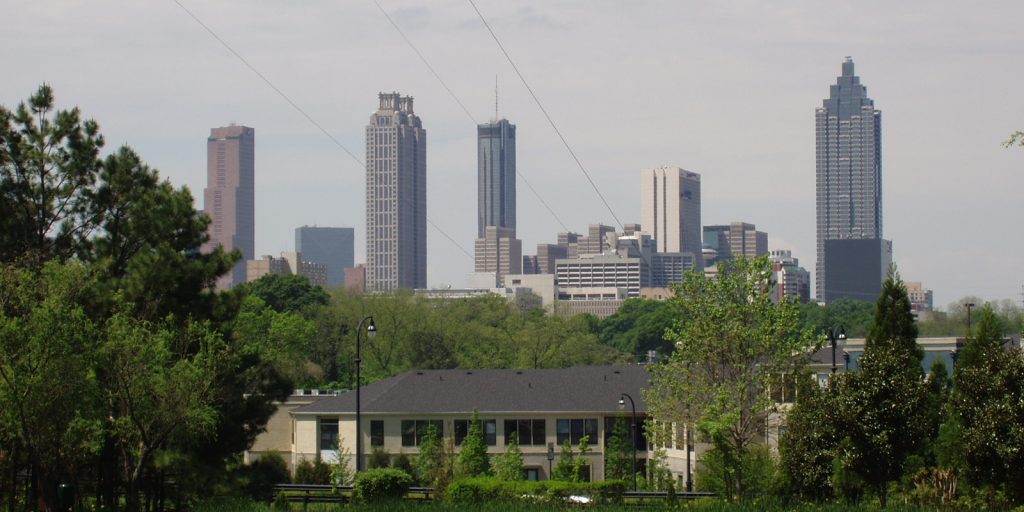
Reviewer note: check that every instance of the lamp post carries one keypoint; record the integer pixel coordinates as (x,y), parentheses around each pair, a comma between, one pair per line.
(969,305)
(632,432)
(551,458)
(371,330)
(835,333)
(689,449)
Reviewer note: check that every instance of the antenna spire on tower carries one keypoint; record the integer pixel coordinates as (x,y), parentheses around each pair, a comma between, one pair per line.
(495,96)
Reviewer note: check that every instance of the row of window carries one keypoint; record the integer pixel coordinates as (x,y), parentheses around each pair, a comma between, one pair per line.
(527,432)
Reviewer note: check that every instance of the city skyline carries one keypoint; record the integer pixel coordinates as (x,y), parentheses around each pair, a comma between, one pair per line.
(229,196)
(737,104)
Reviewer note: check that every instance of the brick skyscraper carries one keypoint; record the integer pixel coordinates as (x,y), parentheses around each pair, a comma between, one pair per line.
(229,196)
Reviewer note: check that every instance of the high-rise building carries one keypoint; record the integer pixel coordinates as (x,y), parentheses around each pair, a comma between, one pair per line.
(229,197)
(290,263)
(331,247)
(499,252)
(856,268)
(396,196)
(734,240)
(670,208)
(848,132)
(791,280)
(544,261)
(920,297)
(496,176)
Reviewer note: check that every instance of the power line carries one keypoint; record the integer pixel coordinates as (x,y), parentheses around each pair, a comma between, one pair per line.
(463,106)
(303,112)
(546,115)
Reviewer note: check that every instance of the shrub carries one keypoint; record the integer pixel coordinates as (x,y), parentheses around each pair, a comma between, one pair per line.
(281,502)
(317,472)
(379,458)
(259,478)
(493,490)
(404,463)
(381,484)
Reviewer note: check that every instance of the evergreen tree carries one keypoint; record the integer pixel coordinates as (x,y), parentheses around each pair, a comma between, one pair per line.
(564,468)
(473,459)
(884,405)
(807,450)
(508,466)
(618,455)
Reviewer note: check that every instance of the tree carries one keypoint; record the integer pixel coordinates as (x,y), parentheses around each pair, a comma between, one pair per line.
(618,455)
(433,467)
(808,448)
(473,459)
(1016,138)
(508,466)
(884,405)
(988,407)
(292,293)
(48,394)
(564,469)
(640,325)
(734,343)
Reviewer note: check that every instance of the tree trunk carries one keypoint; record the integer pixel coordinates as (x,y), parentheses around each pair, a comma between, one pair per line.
(13,498)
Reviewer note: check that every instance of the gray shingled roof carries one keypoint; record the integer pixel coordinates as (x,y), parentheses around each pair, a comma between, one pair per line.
(578,389)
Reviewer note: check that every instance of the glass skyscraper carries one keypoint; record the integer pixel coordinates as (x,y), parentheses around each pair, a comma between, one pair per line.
(848,131)
(496,176)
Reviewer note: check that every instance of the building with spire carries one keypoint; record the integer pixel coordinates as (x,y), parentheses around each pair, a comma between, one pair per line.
(852,257)
(396,196)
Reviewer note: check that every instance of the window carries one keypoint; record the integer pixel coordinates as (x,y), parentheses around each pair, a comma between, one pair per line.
(328,434)
(377,433)
(490,428)
(640,435)
(531,474)
(575,429)
(413,431)
(530,432)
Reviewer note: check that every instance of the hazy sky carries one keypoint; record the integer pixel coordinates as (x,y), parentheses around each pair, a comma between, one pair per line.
(726,89)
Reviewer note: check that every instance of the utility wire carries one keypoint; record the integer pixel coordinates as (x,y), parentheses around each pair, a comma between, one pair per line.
(546,115)
(303,112)
(463,106)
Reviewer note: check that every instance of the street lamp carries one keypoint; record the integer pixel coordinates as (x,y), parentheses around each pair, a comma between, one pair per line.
(632,405)
(836,333)
(969,305)
(371,330)
(551,458)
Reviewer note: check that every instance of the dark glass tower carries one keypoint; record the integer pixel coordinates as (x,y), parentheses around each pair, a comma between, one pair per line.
(496,176)
(848,132)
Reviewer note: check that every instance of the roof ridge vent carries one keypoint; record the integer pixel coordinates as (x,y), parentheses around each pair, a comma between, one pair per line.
(469,373)
(419,373)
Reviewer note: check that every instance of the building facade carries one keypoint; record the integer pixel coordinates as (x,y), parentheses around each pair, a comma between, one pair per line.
(332,247)
(734,240)
(856,269)
(496,176)
(229,198)
(791,280)
(396,196)
(499,252)
(848,132)
(920,297)
(290,263)
(670,208)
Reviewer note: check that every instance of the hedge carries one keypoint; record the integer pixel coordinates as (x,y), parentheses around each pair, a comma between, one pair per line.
(380,484)
(490,490)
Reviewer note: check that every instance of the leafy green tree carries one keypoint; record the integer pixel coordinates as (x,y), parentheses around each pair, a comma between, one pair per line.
(1016,138)
(342,472)
(988,408)
(379,458)
(48,394)
(315,472)
(432,465)
(734,343)
(508,466)
(884,405)
(473,459)
(287,292)
(564,469)
(854,316)
(640,325)
(618,455)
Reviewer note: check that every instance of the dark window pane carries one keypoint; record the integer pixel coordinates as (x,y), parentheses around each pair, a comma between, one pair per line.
(408,433)
(439,425)
(590,430)
(461,429)
(562,429)
(491,432)
(538,432)
(510,429)
(329,434)
(377,433)
(576,431)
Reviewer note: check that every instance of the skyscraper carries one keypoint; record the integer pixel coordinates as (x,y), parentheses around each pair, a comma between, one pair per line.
(670,208)
(496,176)
(333,247)
(736,239)
(849,177)
(229,196)
(499,252)
(396,196)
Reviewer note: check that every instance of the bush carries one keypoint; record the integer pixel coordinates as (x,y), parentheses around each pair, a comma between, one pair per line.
(379,458)
(493,490)
(381,484)
(281,502)
(317,472)
(259,478)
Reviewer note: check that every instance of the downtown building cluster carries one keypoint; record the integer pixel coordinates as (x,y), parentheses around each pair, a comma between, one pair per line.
(575,272)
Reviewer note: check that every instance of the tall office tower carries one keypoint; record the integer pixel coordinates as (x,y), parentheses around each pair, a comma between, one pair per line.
(596,241)
(332,247)
(849,187)
(229,196)
(571,242)
(670,208)
(396,196)
(499,252)
(791,280)
(496,176)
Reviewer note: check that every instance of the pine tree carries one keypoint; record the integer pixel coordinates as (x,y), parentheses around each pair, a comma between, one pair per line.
(473,459)
(509,465)
(564,467)
(618,458)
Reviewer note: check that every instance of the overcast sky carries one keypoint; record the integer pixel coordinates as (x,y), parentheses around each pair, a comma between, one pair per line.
(725,89)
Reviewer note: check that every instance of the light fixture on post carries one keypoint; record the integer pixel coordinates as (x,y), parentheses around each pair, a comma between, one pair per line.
(836,334)
(632,432)
(371,331)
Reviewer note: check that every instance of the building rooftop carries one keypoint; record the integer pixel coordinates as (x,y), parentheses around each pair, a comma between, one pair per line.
(577,389)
